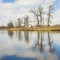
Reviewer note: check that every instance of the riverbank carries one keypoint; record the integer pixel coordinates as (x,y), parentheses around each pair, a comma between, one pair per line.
(33,29)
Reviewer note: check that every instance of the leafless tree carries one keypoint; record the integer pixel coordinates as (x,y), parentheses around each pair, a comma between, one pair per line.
(35,12)
(49,14)
(40,9)
(38,14)
(19,22)
(26,22)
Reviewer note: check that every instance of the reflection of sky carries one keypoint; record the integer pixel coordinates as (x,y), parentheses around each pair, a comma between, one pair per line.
(9,44)
(57,50)
(14,46)
(14,57)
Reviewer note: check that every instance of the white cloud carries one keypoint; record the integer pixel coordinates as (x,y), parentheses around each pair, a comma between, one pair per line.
(56,17)
(27,2)
(11,11)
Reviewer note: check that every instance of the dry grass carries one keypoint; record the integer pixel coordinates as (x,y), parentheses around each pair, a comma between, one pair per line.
(35,29)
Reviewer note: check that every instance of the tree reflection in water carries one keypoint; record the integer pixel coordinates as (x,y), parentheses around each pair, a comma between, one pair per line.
(19,35)
(50,44)
(39,45)
(26,36)
(10,33)
(40,40)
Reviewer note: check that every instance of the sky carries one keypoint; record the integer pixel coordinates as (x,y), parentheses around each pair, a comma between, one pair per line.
(6,1)
(10,10)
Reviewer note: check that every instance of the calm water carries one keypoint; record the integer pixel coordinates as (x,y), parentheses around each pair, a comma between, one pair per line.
(24,45)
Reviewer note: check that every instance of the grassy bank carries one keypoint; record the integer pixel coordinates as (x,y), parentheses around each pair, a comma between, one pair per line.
(34,29)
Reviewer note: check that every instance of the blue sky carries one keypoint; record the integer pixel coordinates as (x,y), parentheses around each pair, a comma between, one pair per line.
(57,4)
(10,10)
(10,1)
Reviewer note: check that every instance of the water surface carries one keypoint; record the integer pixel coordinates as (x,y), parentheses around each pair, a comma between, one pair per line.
(24,45)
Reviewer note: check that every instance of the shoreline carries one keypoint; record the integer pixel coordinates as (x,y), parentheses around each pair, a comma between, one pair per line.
(33,29)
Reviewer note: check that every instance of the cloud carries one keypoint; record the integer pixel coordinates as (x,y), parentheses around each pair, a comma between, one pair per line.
(34,2)
(27,2)
(11,11)
(47,2)
(56,17)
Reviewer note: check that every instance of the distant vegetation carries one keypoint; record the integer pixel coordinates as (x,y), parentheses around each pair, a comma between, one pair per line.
(38,16)
(10,25)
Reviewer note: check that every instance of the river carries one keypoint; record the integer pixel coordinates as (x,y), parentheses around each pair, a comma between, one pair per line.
(29,45)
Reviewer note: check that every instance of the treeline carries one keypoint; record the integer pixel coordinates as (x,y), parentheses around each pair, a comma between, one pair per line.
(38,15)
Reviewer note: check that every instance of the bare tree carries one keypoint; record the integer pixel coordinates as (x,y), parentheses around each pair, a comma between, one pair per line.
(19,22)
(40,9)
(35,12)
(38,14)
(49,15)
(15,24)
(26,22)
